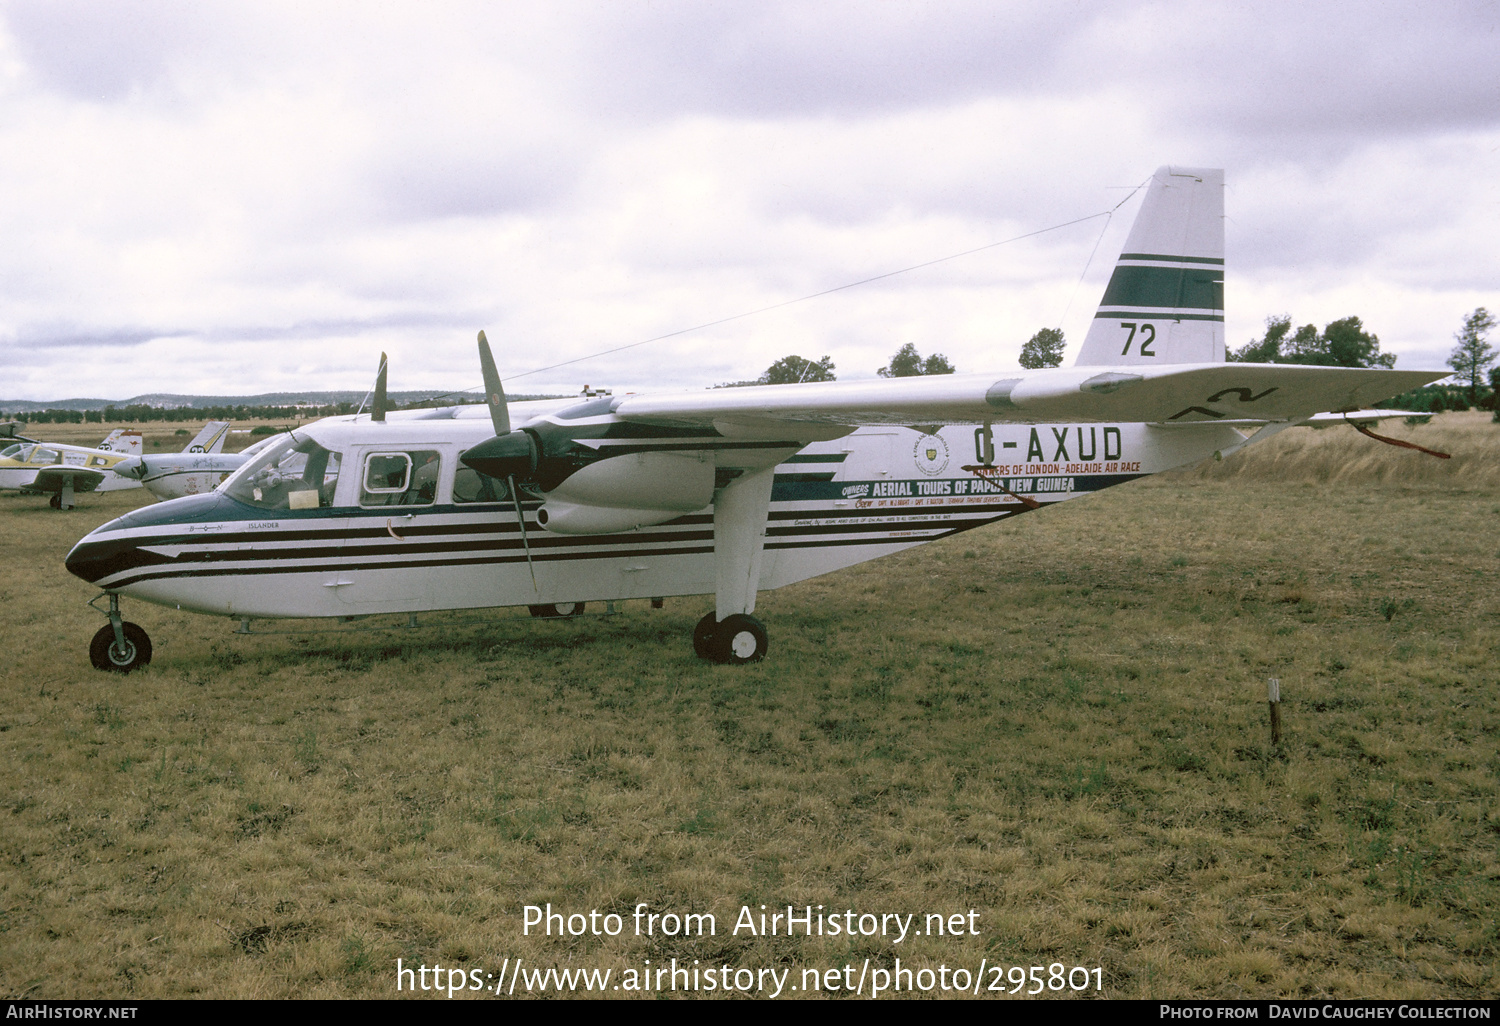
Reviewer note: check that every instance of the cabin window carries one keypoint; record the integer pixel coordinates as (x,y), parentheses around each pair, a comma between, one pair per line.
(386,473)
(469,485)
(294,474)
(44,455)
(400,478)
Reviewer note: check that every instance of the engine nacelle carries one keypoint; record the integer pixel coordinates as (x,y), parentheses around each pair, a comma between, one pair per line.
(626,492)
(569,518)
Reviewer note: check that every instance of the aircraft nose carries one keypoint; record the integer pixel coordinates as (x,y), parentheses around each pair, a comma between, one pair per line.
(96,558)
(112,555)
(134,468)
(88,561)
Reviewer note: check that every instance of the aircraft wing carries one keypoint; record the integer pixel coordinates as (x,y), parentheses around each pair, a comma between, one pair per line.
(9,434)
(52,479)
(1172,394)
(1363,417)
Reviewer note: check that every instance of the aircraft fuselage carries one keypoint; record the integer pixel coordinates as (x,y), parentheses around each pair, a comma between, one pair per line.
(414,548)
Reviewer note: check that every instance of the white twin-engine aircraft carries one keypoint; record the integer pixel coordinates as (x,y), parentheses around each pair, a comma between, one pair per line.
(724,492)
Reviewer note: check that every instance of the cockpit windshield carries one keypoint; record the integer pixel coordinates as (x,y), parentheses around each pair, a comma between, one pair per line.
(294,474)
(18,452)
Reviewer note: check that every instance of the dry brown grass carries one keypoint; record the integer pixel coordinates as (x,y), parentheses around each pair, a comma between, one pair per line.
(156,436)
(1321,455)
(1060,723)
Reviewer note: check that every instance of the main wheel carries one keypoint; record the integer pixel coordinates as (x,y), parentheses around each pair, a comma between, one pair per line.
(739,639)
(105,656)
(703,636)
(563,609)
(55,502)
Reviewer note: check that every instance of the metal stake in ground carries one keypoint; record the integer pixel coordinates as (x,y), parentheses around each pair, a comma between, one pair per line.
(1273,695)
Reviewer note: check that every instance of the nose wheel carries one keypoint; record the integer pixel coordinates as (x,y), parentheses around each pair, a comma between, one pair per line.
(735,640)
(106,654)
(119,647)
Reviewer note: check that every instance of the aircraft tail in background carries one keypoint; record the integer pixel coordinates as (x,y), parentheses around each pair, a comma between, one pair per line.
(126,440)
(1165,301)
(210,439)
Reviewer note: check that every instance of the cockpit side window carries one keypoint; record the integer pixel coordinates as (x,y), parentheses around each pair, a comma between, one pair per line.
(43,455)
(296,474)
(400,478)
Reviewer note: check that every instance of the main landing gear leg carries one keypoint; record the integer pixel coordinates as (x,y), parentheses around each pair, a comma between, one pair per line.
(730,634)
(119,646)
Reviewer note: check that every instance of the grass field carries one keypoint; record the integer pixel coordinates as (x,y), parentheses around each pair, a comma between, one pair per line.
(1059,723)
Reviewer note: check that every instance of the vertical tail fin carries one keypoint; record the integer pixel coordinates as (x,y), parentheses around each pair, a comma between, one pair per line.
(210,439)
(126,440)
(1165,300)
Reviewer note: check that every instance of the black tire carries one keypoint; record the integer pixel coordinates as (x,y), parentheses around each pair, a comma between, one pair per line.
(566,609)
(137,652)
(56,501)
(740,639)
(703,636)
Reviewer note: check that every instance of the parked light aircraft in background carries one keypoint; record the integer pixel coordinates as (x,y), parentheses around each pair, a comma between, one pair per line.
(722,492)
(198,468)
(39,468)
(65,470)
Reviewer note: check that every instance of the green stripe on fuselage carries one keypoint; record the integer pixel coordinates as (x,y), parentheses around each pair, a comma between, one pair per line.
(1175,288)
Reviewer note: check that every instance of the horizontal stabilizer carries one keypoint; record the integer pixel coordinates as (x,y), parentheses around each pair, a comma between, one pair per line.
(1361,417)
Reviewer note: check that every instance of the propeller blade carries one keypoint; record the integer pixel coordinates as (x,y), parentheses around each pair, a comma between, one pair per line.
(506,450)
(521,519)
(377,412)
(493,393)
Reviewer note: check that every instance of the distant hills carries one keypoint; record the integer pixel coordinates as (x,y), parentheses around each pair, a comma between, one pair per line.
(164,400)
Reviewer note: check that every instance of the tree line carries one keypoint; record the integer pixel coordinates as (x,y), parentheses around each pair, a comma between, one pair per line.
(137,413)
(796,370)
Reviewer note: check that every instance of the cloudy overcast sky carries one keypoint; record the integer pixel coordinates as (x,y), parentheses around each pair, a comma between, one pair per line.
(237,198)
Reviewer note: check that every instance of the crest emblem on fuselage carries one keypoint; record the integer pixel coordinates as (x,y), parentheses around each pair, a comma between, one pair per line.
(931,455)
